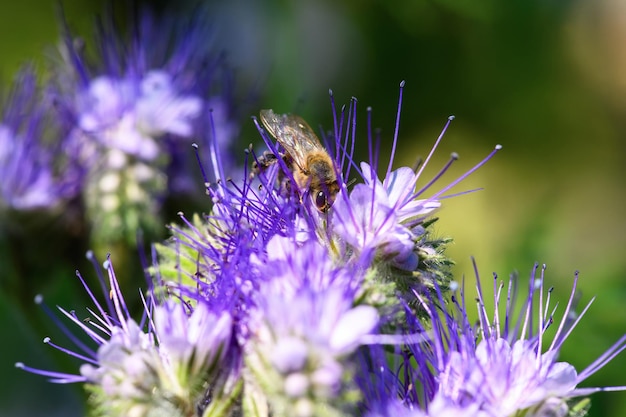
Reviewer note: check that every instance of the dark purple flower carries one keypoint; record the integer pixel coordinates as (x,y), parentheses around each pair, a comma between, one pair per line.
(35,173)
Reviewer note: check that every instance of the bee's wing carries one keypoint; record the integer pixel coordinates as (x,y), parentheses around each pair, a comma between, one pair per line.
(293,133)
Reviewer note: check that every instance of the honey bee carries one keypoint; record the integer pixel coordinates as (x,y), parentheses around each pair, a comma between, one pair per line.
(310,163)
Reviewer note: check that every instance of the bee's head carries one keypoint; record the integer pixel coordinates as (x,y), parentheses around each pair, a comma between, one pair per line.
(325,197)
(321,201)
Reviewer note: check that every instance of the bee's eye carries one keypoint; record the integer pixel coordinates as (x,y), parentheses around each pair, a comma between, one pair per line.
(321,201)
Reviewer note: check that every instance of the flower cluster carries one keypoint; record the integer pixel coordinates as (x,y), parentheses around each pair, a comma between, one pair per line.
(269,306)
(314,286)
(113,123)
(501,366)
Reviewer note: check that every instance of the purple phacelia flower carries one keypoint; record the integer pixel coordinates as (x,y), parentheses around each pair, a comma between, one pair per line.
(290,265)
(299,354)
(400,195)
(260,235)
(367,223)
(387,217)
(132,108)
(503,366)
(132,115)
(161,362)
(307,288)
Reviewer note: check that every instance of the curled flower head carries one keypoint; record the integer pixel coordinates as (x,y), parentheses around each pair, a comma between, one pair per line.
(131,110)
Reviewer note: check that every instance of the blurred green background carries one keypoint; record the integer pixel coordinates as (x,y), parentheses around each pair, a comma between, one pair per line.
(544,78)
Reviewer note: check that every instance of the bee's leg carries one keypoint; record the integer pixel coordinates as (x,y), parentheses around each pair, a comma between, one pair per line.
(263,162)
(288,190)
(286,185)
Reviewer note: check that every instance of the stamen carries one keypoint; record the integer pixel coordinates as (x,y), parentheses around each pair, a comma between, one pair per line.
(352,142)
(104,288)
(468,173)
(527,327)
(497,291)
(196,152)
(453,157)
(604,359)
(538,286)
(63,327)
(482,312)
(396,130)
(56,377)
(121,310)
(49,342)
(566,325)
(350,135)
(432,150)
